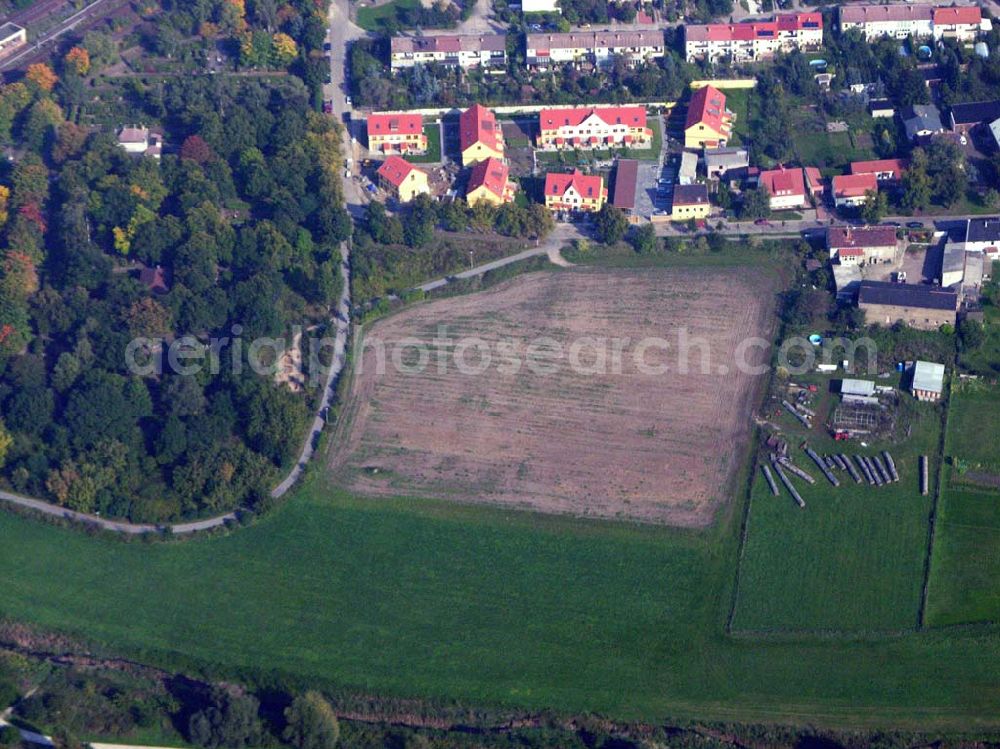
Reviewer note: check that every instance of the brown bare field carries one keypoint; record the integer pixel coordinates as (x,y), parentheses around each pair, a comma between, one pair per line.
(649,446)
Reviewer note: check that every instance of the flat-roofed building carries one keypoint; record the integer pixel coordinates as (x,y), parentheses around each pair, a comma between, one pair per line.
(754,40)
(726,163)
(462,51)
(594,47)
(12,38)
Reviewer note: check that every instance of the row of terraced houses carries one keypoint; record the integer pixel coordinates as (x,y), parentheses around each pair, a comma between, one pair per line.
(742,42)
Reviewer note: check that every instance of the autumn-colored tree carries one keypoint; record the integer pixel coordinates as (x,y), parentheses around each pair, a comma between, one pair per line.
(41,77)
(20,277)
(33,213)
(208,30)
(285,49)
(5,443)
(147,317)
(70,138)
(77,60)
(196,149)
(4,200)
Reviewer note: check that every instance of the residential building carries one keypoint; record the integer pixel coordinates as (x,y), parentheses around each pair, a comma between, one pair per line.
(154,279)
(623,185)
(895,21)
(594,47)
(786,186)
(709,124)
(726,163)
(885,170)
(687,172)
(858,245)
(919,306)
(964,117)
(461,51)
(593,127)
(962,23)
(396,133)
(402,180)
(479,135)
(140,141)
(927,383)
(814,183)
(540,6)
(921,121)
(690,202)
(489,181)
(753,40)
(879,108)
(574,192)
(851,190)
(981,234)
(12,38)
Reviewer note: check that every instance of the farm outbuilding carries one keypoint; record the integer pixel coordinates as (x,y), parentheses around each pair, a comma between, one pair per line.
(856,389)
(928,381)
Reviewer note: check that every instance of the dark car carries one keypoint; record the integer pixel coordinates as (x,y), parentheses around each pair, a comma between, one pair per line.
(762,222)
(914,225)
(327,47)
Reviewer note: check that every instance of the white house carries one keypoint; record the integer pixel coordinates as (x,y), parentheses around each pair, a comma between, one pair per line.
(140,141)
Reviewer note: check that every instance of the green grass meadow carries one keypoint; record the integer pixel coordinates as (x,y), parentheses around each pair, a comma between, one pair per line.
(401,597)
(853,559)
(965,565)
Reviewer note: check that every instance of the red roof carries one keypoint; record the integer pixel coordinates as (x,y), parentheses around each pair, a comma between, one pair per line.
(588,186)
(853,185)
(851,252)
(969,14)
(395,169)
(395,124)
(477,124)
(896,166)
(552,119)
(490,173)
(848,238)
(814,178)
(744,32)
(708,106)
(784,182)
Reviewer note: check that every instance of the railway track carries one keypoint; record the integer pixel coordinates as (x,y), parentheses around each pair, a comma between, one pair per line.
(40,47)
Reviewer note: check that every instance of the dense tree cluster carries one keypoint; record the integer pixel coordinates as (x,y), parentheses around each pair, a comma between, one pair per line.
(244,221)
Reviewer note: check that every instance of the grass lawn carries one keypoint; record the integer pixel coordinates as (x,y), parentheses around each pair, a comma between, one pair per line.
(828,151)
(583,157)
(374,18)
(965,568)
(853,559)
(433,156)
(738,102)
(437,600)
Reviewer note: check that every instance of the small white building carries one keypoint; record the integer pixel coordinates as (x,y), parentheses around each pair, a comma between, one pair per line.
(12,38)
(928,381)
(141,141)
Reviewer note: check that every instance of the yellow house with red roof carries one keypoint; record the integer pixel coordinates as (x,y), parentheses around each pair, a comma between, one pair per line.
(593,127)
(402,180)
(709,124)
(574,192)
(489,181)
(479,135)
